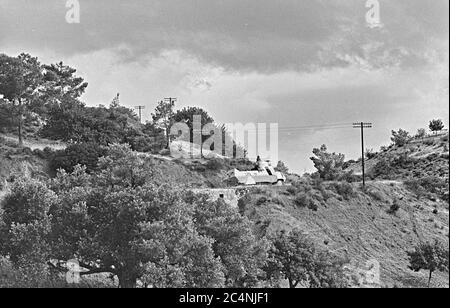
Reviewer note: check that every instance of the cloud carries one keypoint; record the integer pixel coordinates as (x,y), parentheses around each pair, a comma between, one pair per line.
(260,35)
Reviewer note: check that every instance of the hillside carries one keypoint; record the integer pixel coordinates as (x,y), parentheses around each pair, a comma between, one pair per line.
(33,160)
(357,224)
(418,158)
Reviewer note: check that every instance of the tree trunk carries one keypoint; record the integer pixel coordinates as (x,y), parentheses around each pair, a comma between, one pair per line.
(292,284)
(429,279)
(126,281)
(20,124)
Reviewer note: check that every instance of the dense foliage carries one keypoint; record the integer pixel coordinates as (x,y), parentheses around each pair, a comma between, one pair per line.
(294,257)
(400,138)
(330,166)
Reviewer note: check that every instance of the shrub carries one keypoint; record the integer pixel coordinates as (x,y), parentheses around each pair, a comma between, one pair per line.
(305,201)
(429,185)
(371,154)
(329,165)
(85,154)
(421,133)
(262,200)
(395,207)
(429,142)
(291,190)
(344,189)
(47,153)
(215,164)
(400,137)
(302,200)
(281,167)
(375,194)
(242,203)
(348,177)
(242,164)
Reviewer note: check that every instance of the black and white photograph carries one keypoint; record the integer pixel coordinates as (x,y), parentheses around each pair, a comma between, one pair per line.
(224,152)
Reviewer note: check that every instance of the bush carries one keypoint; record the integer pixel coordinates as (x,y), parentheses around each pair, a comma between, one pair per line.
(329,165)
(215,164)
(421,133)
(47,153)
(395,207)
(302,200)
(85,154)
(349,177)
(291,190)
(343,189)
(400,137)
(429,185)
(242,164)
(371,154)
(262,200)
(429,142)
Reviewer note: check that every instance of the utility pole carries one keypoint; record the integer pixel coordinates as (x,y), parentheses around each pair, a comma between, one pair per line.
(140,108)
(170,100)
(361,126)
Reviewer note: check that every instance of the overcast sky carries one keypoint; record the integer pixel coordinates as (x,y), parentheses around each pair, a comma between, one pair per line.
(293,62)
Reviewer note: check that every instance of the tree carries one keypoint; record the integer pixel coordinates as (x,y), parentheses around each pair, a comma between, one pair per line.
(72,121)
(242,254)
(25,229)
(370,154)
(163,117)
(20,82)
(421,133)
(118,220)
(295,258)
(329,165)
(7,120)
(400,137)
(281,167)
(84,154)
(59,84)
(436,126)
(430,257)
(30,86)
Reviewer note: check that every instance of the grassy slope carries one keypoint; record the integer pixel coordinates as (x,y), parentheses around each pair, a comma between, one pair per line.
(360,228)
(427,157)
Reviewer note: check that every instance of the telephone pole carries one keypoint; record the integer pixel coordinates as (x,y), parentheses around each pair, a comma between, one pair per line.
(140,108)
(361,126)
(170,100)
